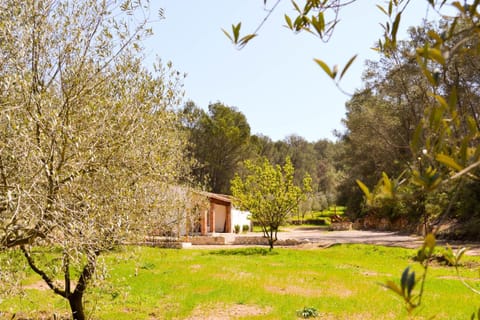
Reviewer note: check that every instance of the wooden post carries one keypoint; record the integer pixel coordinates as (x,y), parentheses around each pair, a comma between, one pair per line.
(187,223)
(228,219)
(203,222)
(212,217)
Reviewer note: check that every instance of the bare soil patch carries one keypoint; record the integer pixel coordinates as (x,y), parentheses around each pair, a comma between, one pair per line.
(226,312)
(358,316)
(310,292)
(42,285)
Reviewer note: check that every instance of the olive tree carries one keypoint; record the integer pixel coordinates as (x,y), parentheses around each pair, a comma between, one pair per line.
(269,194)
(89,140)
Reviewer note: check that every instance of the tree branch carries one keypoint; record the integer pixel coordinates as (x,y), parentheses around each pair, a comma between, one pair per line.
(44,276)
(87,273)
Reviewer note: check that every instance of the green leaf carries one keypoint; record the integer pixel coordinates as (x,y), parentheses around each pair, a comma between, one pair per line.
(441,100)
(382,9)
(410,283)
(448,161)
(236,32)
(452,99)
(432,53)
(319,24)
(395,25)
(289,22)
(227,34)
(295,5)
(416,137)
(472,125)
(325,68)
(366,192)
(429,180)
(298,23)
(436,118)
(349,63)
(425,70)
(430,242)
(434,35)
(246,39)
(404,279)
(449,256)
(387,186)
(394,287)
(453,27)
(458,256)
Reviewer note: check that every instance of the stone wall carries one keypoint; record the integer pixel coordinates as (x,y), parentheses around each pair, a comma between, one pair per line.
(264,241)
(340,226)
(162,242)
(372,222)
(206,240)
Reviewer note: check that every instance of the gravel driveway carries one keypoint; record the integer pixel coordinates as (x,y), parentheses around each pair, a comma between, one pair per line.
(319,237)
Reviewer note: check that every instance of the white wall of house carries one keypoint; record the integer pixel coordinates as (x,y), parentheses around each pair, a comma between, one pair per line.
(240,217)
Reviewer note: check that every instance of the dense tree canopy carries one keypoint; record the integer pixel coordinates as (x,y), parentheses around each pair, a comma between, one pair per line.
(219,142)
(419,124)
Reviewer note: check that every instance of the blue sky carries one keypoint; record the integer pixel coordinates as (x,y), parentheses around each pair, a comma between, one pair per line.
(273,81)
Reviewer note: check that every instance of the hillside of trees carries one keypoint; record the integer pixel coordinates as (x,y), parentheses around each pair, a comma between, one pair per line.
(380,138)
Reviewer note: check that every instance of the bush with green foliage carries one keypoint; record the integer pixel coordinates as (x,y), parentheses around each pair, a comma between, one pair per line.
(307,313)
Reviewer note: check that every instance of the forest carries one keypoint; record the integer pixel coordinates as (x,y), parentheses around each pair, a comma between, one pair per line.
(379,138)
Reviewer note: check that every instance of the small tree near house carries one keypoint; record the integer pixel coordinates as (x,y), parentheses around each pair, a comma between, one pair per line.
(269,194)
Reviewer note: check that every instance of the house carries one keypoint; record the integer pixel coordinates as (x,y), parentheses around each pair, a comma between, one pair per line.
(221,216)
(191,213)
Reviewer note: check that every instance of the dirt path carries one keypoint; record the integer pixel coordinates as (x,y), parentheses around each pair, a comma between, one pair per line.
(312,237)
(327,238)
(323,237)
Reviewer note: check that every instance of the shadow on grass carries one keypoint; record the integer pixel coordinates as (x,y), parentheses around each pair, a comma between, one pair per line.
(244,252)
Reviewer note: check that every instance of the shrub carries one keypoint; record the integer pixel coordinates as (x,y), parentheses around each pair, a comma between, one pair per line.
(236,228)
(307,312)
(245,228)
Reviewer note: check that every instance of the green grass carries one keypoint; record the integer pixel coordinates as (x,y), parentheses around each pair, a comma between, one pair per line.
(332,210)
(318,218)
(342,282)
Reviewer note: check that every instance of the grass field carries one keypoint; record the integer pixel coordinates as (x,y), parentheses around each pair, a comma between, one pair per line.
(341,282)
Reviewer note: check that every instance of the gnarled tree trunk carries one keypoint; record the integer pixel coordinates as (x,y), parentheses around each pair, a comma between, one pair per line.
(75,298)
(76,306)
